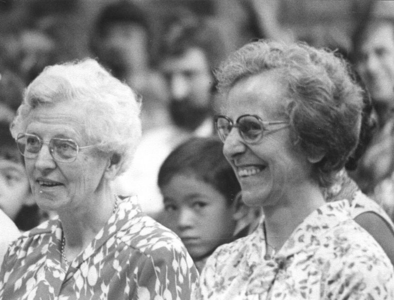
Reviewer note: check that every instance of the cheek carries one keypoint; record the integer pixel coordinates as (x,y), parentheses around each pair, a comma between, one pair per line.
(218,219)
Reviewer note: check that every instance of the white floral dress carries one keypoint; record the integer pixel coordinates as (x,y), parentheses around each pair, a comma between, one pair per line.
(132,257)
(328,256)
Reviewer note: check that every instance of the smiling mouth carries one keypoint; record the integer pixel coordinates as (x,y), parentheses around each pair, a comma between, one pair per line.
(44,183)
(189,240)
(249,171)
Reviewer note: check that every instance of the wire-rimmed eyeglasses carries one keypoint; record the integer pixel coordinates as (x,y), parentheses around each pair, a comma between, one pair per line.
(251,127)
(62,150)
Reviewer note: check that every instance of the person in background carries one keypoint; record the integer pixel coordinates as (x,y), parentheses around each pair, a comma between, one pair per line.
(374,62)
(290,121)
(381,160)
(190,50)
(16,200)
(11,92)
(77,129)
(122,41)
(373,56)
(201,196)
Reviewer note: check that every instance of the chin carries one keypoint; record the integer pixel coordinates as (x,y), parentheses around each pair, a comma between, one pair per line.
(251,198)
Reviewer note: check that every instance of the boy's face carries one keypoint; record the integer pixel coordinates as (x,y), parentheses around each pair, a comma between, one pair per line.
(14,187)
(198,214)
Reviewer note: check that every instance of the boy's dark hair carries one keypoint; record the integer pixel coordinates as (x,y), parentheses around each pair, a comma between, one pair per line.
(203,158)
(8,148)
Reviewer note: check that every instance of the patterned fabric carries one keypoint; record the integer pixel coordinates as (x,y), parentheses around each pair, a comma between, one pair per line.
(132,257)
(382,205)
(384,195)
(9,232)
(328,256)
(342,188)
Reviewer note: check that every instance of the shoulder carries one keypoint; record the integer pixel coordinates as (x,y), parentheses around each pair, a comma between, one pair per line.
(30,244)
(35,236)
(351,256)
(154,253)
(362,204)
(145,235)
(9,231)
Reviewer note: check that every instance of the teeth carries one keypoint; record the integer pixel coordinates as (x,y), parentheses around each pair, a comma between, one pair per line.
(45,183)
(248,171)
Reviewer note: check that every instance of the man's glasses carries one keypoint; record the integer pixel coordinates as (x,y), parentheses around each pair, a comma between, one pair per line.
(251,127)
(62,150)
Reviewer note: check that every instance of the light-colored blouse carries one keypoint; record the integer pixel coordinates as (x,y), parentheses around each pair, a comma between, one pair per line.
(132,257)
(328,256)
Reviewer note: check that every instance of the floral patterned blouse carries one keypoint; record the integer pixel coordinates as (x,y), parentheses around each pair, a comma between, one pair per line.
(345,188)
(132,257)
(328,256)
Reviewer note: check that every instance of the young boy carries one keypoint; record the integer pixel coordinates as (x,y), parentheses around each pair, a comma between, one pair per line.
(201,197)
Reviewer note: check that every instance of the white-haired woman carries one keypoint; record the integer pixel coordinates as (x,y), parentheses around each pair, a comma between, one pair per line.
(77,129)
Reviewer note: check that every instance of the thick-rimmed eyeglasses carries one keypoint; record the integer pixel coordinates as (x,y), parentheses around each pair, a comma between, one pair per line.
(62,150)
(251,127)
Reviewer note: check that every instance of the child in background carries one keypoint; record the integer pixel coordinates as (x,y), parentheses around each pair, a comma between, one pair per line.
(16,200)
(201,197)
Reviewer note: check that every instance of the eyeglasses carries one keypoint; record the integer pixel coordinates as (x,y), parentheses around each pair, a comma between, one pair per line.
(62,150)
(251,127)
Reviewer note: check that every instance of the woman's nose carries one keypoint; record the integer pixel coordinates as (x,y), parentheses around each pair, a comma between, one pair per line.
(44,159)
(234,144)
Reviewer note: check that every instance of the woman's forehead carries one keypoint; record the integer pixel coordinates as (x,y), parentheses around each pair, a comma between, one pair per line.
(58,119)
(262,94)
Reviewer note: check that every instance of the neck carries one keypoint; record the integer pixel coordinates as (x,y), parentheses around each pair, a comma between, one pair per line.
(282,219)
(82,223)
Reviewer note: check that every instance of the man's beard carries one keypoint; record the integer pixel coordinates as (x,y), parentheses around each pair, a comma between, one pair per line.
(187,115)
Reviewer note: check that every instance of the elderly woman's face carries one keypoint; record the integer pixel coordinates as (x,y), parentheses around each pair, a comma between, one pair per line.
(58,185)
(270,168)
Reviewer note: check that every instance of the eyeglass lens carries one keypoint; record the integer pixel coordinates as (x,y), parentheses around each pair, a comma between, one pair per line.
(61,149)
(249,127)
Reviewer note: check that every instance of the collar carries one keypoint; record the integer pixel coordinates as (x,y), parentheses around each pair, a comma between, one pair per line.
(309,232)
(316,225)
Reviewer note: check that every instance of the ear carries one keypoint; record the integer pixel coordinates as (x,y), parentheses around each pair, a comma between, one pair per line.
(315,157)
(240,210)
(113,166)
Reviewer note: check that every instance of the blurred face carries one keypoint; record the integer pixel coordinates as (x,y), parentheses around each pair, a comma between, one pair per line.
(14,187)
(270,168)
(189,83)
(376,62)
(37,51)
(63,185)
(198,214)
(124,48)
